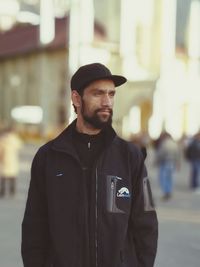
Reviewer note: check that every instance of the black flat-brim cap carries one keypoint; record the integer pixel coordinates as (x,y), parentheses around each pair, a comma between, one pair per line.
(93,72)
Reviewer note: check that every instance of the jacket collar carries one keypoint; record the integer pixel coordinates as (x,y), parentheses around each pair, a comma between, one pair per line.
(64,141)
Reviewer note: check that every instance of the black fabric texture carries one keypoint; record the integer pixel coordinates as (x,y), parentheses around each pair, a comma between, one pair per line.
(59,231)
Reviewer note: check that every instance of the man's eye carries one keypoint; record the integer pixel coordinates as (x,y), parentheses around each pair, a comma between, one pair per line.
(97,93)
(112,94)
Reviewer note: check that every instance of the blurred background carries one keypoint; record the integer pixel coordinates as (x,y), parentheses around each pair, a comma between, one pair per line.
(156,45)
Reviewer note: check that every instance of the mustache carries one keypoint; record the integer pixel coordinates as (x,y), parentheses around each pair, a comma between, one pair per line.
(104,109)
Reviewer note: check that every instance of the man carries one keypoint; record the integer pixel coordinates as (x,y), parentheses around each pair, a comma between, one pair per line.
(89,202)
(168,161)
(192,153)
(10,145)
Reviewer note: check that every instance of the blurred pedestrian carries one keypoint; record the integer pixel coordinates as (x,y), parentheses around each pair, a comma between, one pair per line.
(1,155)
(192,153)
(89,201)
(10,144)
(167,159)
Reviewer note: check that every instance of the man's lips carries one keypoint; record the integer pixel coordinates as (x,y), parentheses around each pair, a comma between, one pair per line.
(105,111)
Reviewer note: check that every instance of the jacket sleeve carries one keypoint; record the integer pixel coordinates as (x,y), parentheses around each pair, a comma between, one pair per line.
(144,219)
(35,230)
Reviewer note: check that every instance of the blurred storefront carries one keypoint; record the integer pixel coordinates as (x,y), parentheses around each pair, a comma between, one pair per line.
(137,39)
(36,75)
(176,104)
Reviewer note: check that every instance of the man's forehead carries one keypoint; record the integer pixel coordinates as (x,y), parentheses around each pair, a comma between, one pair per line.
(102,85)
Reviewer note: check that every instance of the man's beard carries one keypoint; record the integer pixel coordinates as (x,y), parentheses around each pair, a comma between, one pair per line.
(95,120)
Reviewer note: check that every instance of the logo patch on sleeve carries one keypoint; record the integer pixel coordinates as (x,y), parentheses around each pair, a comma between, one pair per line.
(123,192)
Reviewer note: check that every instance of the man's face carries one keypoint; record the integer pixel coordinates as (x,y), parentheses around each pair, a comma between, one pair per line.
(97,103)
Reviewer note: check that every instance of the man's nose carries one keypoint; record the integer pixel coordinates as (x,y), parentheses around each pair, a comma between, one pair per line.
(107,100)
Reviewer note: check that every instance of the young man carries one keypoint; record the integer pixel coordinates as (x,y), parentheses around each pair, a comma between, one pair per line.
(89,202)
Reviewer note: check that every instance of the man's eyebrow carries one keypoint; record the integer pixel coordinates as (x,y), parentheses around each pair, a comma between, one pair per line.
(97,88)
(94,90)
(102,89)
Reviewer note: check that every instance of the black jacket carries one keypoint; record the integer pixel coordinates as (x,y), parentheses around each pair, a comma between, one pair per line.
(121,230)
(192,151)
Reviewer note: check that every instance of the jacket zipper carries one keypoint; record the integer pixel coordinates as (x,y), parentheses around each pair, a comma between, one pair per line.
(112,192)
(112,187)
(96,208)
(96,215)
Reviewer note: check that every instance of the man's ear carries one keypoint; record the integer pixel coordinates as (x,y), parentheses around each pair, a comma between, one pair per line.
(76,98)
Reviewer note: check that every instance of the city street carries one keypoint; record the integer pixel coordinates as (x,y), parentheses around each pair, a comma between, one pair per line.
(179,218)
(179,221)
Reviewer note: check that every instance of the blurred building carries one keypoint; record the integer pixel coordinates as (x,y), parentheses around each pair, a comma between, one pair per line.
(35,74)
(177,98)
(141,40)
(160,53)
(138,56)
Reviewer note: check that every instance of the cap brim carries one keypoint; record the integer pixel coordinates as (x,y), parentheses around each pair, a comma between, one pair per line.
(118,80)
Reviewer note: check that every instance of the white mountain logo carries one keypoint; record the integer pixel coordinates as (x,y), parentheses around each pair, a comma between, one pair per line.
(123,192)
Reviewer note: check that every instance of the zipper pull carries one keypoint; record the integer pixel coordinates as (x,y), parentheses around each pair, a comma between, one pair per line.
(89,145)
(112,185)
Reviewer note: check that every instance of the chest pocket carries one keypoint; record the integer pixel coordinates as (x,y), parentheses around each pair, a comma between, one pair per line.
(118,196)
